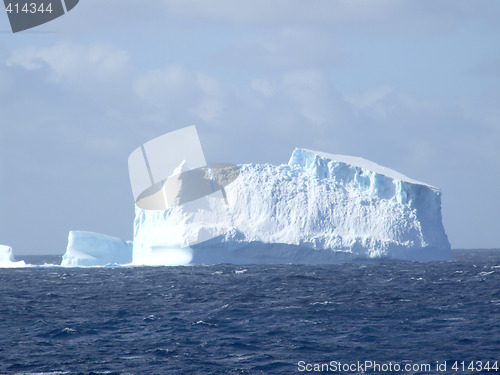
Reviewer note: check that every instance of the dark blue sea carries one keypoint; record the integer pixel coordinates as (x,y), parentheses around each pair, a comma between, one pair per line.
(404,317)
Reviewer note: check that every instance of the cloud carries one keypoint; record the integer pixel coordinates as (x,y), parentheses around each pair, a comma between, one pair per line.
(95,16)
(361,14)
(294,104)
(174,90)
(161,86)
(235,117)
(373,103)
(286,48)
(263,86)
(71,63)
(316,99)
(77,93)
(76,90)
(483,111)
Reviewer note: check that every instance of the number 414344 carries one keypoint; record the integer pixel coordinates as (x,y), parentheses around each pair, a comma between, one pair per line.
(29,8)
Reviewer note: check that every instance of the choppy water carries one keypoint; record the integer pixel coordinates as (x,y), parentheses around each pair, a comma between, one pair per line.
(258,319)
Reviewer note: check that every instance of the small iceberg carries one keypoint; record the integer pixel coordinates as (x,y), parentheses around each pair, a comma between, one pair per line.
(87,249)
(7,259)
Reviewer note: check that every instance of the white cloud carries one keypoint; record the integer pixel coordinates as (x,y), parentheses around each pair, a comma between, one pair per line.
(5,81)
(263,86)
(211,104)
(380,103)
(485,113)
(74,63)
(315,97)
(287,48)
(174,90)
(170,82)
(373,103)
(361,14)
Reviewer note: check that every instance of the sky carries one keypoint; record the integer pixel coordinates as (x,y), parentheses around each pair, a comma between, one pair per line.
(412,85)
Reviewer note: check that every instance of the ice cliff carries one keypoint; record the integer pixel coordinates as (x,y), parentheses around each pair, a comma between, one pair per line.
(318,208)
(7,259)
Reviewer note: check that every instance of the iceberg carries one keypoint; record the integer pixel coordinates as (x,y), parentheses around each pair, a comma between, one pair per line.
(7,259)
(318,208)
(86,249)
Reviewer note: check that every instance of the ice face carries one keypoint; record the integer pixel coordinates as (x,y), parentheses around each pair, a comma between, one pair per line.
(318,208)
(93,249)
(7,259)
(322,163)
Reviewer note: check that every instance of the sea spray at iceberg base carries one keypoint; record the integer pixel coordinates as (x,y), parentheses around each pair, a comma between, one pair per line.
(318,208)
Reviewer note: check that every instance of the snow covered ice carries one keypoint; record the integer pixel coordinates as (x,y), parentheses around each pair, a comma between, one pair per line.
(318,208)
(7,259)
(95,249)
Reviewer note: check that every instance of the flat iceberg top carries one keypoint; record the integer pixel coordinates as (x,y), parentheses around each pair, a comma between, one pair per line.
(356,161)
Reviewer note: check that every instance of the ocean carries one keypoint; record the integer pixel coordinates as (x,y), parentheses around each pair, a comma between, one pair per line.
(376,318)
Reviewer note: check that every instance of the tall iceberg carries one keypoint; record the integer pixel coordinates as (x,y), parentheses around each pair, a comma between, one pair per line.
(318,208)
